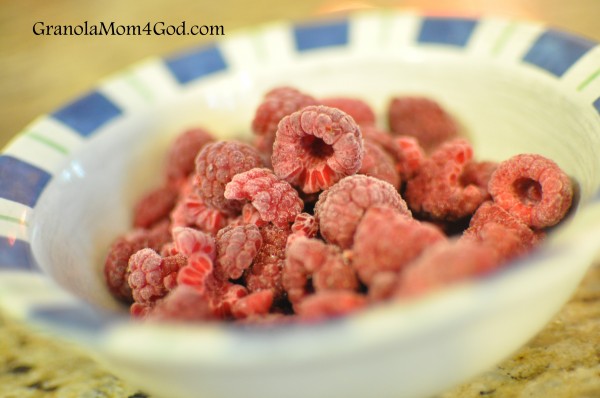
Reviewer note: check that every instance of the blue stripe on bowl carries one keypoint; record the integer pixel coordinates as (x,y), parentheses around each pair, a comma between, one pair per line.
(447,31)
(15,254)
(597,104)
(191,66)
(86,114)
(73,317)
(20,181)
(556,51)
(325,34)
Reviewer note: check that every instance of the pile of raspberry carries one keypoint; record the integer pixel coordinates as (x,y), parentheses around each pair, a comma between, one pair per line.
(326,212)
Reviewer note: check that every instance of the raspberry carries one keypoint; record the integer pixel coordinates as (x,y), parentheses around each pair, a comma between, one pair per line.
(489,213)
(533,189)
(423,119)
(330,303)
(358,109)
(275,200)
(216,164)
(183,304)
(251,216)
(478,173)
(191,211)
(116,270)
(504,241)
(154,206)
(387,241)
(265,272)
(277,103)
(310,260)
(257,303)
(409,156)
(151,276)
(444,263)
(183,151)
(382,286)
(383,138)
(189,241)
(377,163)
(437,191)
(316,147)
(305,224)
(340,208)
(223,296)
(195,274)
(236,249)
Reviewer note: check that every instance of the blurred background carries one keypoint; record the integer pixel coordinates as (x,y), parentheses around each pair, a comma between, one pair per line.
(38,74)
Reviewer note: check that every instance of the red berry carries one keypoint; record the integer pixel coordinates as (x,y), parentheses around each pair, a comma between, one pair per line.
(329,304)
(255,304)
(423,119)
(236,248)
(275,200)
(183,151)
(154,206)
(533,189)
(183,304)
(437,191)
(341,207)
(409,156)
(316,147)
(358,109)
(151,276)
(305,224)
(216,164)
(387,241)
(377,163)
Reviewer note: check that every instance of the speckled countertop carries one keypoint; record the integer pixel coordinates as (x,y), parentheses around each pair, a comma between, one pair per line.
(562,361)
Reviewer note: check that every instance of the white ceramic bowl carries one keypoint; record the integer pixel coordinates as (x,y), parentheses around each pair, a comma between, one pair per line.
(68,183)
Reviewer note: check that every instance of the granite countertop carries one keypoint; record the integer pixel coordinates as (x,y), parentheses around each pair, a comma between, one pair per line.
(562,361)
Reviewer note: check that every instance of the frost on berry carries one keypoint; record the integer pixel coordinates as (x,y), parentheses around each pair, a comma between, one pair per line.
(236,248)
(533,189)
(422,118)
(377,163)
(493,226)
(183,304)
(277,103)
(330,304)
(190,241)
(305,224)
(275,199)
(265,271)
(437,191)
(341,207)
(216,164)
(409,156)
(444,263)
(478,173)
(116,270)
(183,151)
(310,264)
(387,241)
(315,147)
(195,274)
(154,206)
(358,109)
(151,276)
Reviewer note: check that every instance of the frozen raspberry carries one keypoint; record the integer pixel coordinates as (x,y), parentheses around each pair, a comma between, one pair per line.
(423,119)
(445,263)
(382,286)
(275,200)
(257,303)
(191,211)
(478,173)
(491,213)
(223,296)
(358,109)
(190,241)
(533,189)
(183,304)
(377,163)
(116,270)
(316,147)
(140,311)
(265,272)
(198,269)
(409,156)
(278,102)
(264,145)
(504,241)
(437,190)
(183,151)
(341,207)
(383,138)
(305,224)
(236,249)
(151,276)
(154,206)
(387,241)
(311,262)
(216,164)
(330,303)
